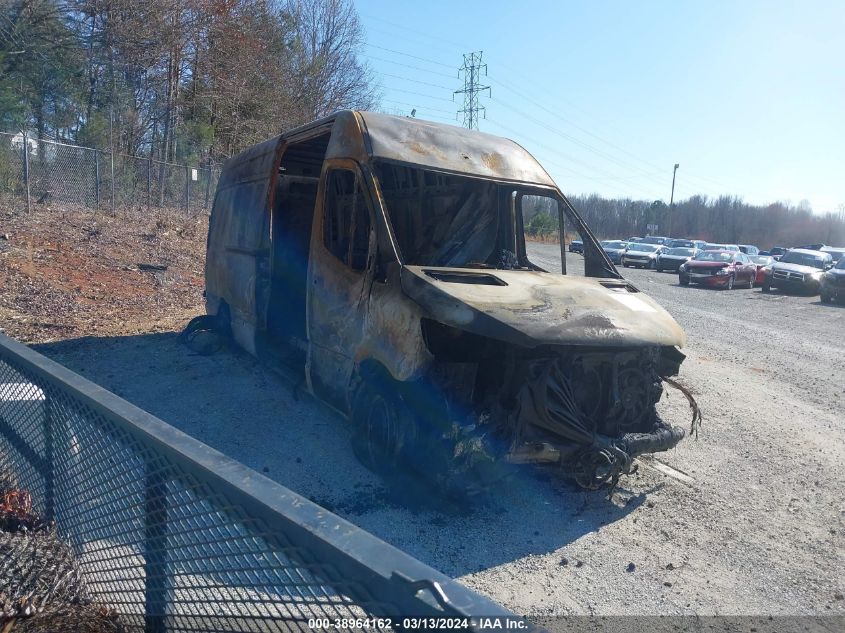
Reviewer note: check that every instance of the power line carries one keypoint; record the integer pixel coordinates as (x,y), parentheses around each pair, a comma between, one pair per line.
(566,136)
(419,107)
(410,30)
(416,81)
(420,94)
(472,69)
(521,94)
(425,70)
(650,174)
(647,173)
(422,59)
(556,153)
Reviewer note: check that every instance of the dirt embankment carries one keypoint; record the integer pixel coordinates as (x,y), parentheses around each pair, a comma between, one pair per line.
(68,271)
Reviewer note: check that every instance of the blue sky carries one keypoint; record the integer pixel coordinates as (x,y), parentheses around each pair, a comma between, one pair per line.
(748,96)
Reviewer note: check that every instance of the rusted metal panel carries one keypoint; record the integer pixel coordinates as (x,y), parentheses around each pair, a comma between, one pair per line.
(532,308)
(253,163)
(450,148)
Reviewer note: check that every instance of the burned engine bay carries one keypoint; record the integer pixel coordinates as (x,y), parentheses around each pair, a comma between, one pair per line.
(587,411)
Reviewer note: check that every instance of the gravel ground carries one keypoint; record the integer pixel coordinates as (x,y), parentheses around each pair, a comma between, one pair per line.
(748,519)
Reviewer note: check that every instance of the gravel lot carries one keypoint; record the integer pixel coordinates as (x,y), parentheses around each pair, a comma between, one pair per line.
(748,519)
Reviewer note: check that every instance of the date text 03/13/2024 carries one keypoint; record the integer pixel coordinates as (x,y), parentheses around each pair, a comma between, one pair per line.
(419,623)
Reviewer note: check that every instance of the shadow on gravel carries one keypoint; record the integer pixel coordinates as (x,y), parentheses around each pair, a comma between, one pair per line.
(234,404)
(833,304)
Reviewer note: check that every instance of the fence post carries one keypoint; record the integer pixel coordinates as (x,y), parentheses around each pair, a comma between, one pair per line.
(155,548)
(187,187)
(207,184)
(149,182)
(26,171)
(111,158)
(161,169)
(97,176)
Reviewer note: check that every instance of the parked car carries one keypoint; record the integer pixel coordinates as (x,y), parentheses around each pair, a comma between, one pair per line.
(634,239)
(778,251)
(672,258)
(675,243)
(368,252)
(641,255)
(799,270)
(655,239)
(762,262)
(833,283)
(614,249)
(576,246)
(837,252)
(710,246)
(718,269)
(748,249)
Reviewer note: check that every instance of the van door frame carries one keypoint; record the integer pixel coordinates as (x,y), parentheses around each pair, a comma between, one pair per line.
(351,313)
(264,275)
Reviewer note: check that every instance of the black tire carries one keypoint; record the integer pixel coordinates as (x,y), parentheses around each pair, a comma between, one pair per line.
(766,287)
(384,428)
(683,282)
(659,269)
(205,334)
(751,281)
(650,264)
(825,298)
(730,285)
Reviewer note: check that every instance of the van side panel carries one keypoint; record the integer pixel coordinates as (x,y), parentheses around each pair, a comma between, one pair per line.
(239,239)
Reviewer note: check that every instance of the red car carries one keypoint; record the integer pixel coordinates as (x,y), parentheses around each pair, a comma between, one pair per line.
(761,261)
(719,269)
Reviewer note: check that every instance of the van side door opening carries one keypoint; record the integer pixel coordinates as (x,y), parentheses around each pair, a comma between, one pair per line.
(292,217)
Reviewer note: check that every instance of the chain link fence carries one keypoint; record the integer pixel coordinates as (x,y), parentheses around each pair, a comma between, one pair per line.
(171,535)
(46,171)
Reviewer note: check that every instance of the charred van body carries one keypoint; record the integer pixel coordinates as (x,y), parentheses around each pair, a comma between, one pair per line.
(384,257)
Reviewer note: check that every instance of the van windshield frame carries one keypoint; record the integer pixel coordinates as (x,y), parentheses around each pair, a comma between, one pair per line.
(482,224)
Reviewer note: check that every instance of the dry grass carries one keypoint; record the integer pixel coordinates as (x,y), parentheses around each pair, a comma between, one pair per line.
(68,271)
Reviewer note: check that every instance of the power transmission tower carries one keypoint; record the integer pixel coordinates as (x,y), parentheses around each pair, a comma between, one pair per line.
(472,70)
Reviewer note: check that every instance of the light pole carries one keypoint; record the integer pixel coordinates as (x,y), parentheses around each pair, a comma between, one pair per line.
(672,200)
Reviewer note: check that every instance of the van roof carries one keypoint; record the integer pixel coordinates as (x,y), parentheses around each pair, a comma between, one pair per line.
(360,135)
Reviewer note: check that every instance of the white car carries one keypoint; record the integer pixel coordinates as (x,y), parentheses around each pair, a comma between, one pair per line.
(641,255)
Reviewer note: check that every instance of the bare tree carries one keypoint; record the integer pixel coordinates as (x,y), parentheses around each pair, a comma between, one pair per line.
(326,73)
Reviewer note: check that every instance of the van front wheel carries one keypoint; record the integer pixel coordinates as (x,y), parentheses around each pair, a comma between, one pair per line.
(384,428)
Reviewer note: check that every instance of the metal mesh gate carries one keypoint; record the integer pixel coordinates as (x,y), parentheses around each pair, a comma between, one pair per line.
(175,536)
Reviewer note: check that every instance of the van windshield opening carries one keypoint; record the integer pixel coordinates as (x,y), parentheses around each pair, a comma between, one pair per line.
(448,220)
(445,220)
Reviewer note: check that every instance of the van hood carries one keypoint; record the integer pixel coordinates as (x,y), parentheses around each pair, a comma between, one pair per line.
(532,308)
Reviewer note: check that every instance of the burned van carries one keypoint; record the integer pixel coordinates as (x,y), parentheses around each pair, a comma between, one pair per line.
(385,258)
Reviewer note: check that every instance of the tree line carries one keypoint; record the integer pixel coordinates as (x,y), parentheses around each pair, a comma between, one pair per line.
(724,219)
(195,81)
(177,80)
